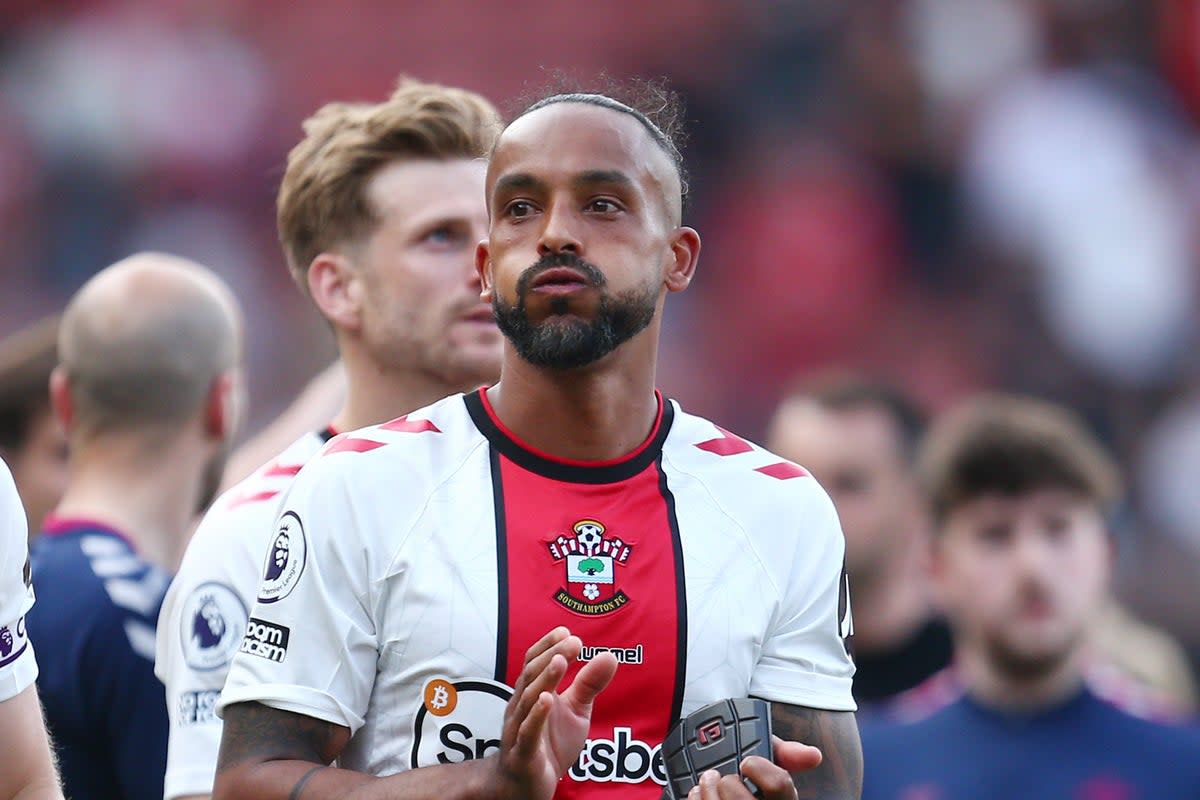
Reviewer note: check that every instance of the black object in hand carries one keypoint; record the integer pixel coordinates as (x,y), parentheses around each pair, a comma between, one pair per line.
(718,737)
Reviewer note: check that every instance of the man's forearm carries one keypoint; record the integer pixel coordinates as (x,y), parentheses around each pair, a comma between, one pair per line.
(303,780)
(840,774)
(27,769)
(269,754)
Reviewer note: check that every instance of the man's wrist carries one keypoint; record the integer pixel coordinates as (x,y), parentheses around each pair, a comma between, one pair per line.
(488,780)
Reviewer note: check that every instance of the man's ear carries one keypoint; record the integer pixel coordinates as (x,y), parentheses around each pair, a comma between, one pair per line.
(225,405)
(483,268)
(335,286)
(685,255)
(60,397)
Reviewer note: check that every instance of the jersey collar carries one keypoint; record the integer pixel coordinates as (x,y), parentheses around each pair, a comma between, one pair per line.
(569,470)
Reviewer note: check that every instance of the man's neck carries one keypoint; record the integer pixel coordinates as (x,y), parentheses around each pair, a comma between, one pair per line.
(152,500)
(374,395)
(890,604)
(601,412)
(888,610)
(995,688)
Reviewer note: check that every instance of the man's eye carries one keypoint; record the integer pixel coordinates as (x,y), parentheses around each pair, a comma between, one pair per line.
(995,534)
(519,208)
(443,235)
(847,483)
(603,206)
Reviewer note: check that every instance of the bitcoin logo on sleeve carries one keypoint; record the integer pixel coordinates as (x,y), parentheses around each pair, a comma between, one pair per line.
(440,697)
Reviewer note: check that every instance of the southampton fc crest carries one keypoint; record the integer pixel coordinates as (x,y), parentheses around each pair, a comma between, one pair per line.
(591,559)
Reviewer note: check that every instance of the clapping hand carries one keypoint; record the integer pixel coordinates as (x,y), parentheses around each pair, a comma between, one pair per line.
(545,729)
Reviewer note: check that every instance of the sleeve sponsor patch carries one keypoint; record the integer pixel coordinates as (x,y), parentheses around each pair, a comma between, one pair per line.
(266,640)
(285,559)
(13,641)
(198,707)
(212,626)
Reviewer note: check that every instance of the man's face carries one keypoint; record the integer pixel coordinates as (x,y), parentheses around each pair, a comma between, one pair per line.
(421,309)
(1021,577)
(39,468)
(856,456)
(581,233)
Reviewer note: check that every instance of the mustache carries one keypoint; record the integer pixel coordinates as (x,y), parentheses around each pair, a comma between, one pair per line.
(555,260)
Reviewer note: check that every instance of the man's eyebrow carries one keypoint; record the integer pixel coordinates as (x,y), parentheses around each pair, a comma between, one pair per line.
(515,182)
(603,176)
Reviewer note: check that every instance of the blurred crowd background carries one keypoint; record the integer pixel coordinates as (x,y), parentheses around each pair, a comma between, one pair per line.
(957,195)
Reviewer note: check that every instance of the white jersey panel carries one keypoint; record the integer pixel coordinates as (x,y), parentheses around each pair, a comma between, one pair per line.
(395,585)
(18,669)
(203,618)
(763,555)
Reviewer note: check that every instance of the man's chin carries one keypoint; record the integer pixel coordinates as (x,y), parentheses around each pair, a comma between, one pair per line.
(471,368)
(1029,658)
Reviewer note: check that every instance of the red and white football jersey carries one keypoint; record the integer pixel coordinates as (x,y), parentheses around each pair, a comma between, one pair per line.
(203,617)
(414,563)
(18,669)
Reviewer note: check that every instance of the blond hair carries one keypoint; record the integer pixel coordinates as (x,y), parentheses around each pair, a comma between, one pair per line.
(322,200)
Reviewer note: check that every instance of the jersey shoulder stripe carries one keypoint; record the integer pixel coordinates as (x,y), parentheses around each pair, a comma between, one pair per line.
(738,472)
(270,480)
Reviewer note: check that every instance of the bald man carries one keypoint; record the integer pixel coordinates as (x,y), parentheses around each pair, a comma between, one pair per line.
(147,389)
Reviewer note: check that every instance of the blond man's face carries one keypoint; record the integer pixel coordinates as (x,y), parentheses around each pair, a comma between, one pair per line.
(421,308)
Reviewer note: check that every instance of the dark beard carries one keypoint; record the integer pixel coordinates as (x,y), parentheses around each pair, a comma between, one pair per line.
(566,343)
(1026,667)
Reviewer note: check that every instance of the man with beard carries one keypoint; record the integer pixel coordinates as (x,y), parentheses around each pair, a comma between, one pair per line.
(148,390)
(1021,563)
(379,212)
(858,436)
(517,592)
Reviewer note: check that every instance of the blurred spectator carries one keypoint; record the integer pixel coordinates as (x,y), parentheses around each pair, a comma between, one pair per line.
(1080,169)
(1021,562)
(148,391)
(31,439)
(858,437)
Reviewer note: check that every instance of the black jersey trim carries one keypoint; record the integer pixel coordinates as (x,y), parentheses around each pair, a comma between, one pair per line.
(327,433)
(608,472)
(680,596)
(501,566)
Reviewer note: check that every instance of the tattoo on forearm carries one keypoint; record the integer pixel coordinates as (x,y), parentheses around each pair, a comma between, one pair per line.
(255,731)
(840,774)
(295,795)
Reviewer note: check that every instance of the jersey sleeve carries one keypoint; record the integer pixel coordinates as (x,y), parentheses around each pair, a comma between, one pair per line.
(310,643)
(18,669)
(805,660)
(199,630)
